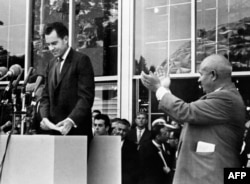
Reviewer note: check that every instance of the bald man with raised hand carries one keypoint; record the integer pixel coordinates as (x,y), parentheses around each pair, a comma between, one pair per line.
(213,128)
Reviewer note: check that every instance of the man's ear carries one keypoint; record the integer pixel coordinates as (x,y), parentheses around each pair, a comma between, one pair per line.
(157,137)
(66,39)
(214,75)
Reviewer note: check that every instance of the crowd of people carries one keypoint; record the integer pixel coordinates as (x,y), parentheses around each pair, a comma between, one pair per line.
(148,155)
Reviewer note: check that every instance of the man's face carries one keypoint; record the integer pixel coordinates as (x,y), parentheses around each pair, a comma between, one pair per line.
(141,121)
(99,127)
(121,130)
(56,45)
(164,136)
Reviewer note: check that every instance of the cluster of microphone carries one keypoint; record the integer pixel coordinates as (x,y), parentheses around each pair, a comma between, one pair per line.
(9,95)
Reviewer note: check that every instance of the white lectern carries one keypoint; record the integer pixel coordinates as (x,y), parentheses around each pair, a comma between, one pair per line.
(41,159)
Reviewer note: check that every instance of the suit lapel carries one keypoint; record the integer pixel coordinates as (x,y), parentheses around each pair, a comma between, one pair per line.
(145,135)
(66,66)
(53,73)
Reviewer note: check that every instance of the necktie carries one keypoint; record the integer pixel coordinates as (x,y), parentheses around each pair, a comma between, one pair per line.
(58,66)
(139,136)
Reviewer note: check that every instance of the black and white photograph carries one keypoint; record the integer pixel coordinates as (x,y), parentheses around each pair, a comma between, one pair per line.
(124,91)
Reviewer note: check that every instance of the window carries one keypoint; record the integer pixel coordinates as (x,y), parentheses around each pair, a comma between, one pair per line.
(106,98)
(179,34)
(96,29)
(12,31)
(163,35)
(224,27)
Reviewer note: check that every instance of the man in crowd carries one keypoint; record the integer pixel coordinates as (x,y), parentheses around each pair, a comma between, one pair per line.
(68,94)
(130,160)
(140,133)
(94,113)
(155,157)
(101,125)
(213,128)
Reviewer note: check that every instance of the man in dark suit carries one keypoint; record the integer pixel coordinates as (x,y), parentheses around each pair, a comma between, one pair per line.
(68,94)
(156,159)
(130,160)
(213,128)
(140,133)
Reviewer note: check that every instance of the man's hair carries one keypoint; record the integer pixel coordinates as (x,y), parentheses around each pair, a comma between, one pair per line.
(105,118)
(122,121)
(142,113)
(156,130)
(59,27)
(96,111)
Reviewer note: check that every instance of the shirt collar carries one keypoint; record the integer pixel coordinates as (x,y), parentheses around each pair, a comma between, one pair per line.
(66,53)
(140,129)
(218,89)
(159,146)
(156,144)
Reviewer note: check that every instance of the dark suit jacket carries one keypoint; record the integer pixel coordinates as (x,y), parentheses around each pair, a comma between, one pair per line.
(132,136)
(151,170)
(130,162)
(217,119)
(73,96)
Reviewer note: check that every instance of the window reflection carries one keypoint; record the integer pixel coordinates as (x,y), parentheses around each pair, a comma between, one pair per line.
(45,11)
(162,35)
(12,31)
(224,27)
(96,33)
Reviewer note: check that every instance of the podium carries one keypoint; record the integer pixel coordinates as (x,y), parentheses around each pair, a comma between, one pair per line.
(44,159)
(104,162)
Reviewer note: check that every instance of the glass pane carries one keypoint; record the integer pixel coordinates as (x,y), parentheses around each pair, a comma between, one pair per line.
(180,22)
(96,33)
(106,98)
(45,11)
(12,31)
(162,34)
(224,28)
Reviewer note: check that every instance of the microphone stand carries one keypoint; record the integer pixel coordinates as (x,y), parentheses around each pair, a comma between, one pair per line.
(23,110)
(13,95)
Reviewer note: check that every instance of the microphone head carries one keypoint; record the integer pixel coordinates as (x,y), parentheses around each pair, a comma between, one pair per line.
(3,71)
(15,70)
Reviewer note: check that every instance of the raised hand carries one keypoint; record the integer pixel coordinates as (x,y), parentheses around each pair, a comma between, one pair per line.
(163,74)
(150,81)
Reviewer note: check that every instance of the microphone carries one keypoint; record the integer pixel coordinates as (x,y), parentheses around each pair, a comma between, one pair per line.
(16,82)
(14,71)
(39,80)
(27,78)
(6,125)
(3,71)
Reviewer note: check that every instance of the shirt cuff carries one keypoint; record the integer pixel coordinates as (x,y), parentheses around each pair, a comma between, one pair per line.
(248,156)
(161,91)
(73,123)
